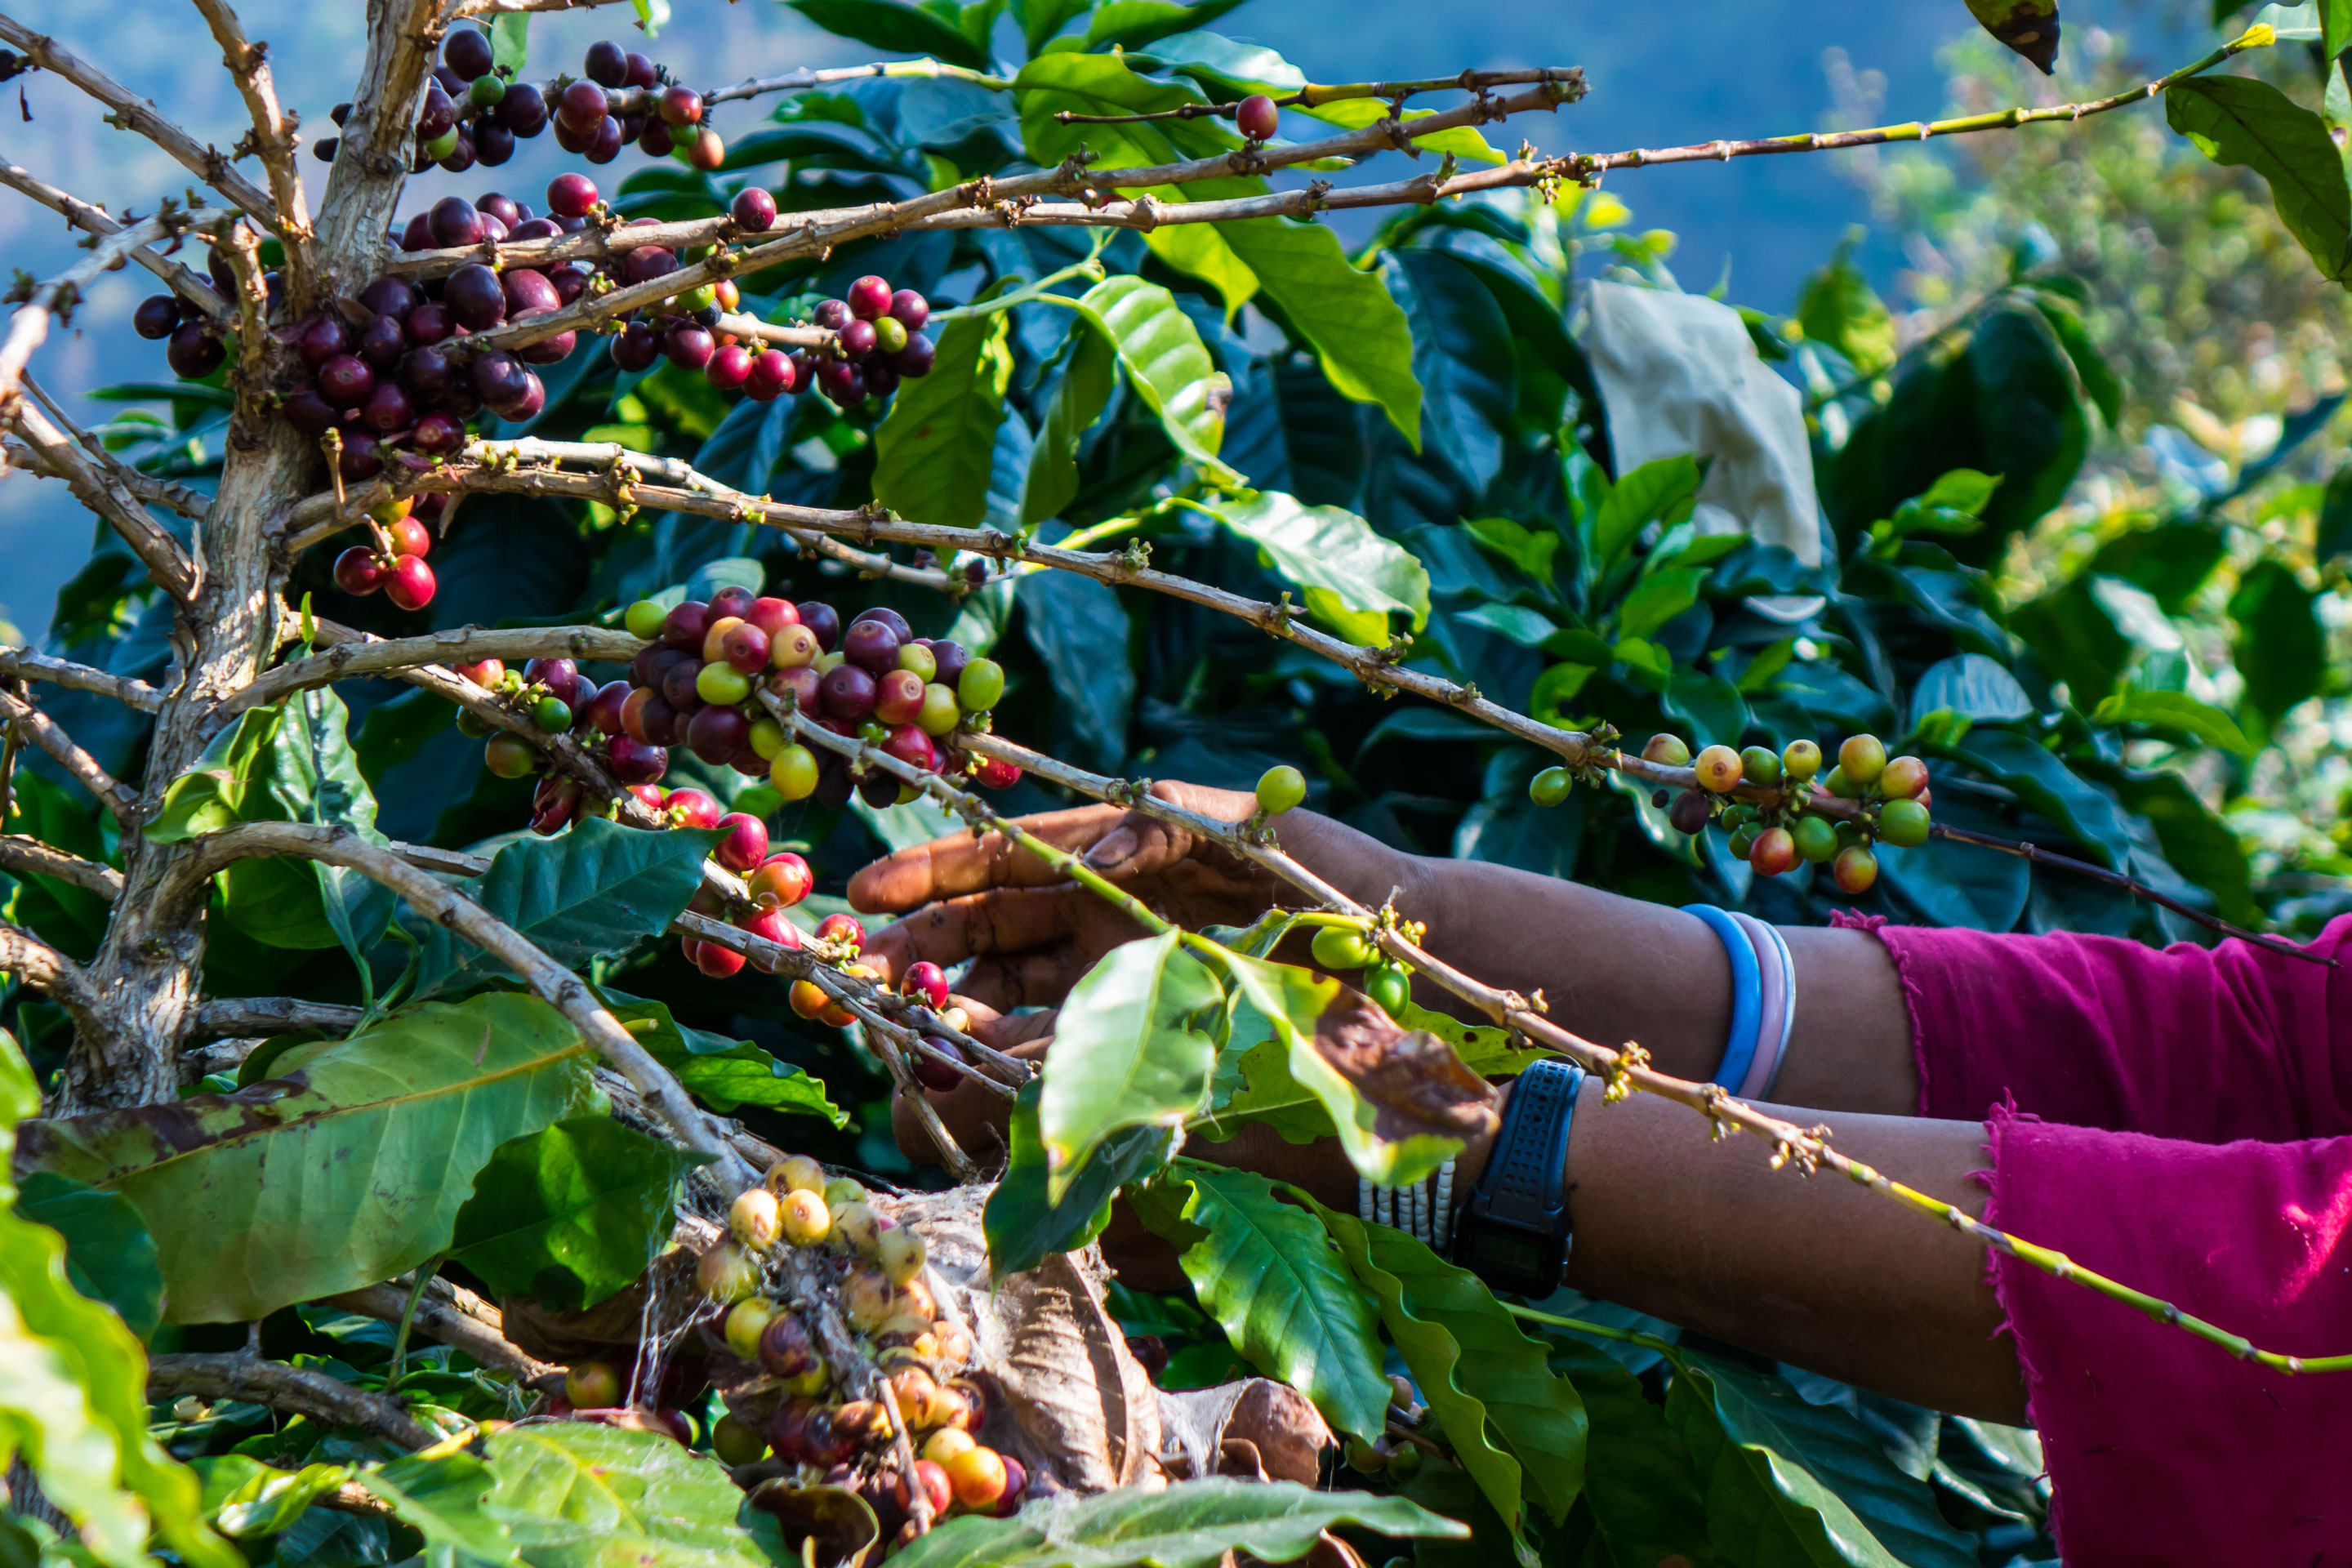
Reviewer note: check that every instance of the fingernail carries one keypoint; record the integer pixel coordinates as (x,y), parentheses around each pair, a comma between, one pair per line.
(1113,847)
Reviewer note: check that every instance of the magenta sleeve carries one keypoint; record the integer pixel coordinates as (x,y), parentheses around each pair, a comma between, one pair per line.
(2163,1448)
(2202,1044)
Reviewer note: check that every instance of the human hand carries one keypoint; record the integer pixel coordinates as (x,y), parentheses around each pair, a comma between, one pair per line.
(1030,931)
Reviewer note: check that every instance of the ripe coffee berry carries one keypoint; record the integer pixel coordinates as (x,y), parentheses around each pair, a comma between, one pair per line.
(571,195)
(410,583)
(1718,768)
(361,570)
(1256,118)
(869,296)
(753,210)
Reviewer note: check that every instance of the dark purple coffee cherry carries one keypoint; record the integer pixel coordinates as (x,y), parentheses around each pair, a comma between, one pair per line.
(428,323)
(427,375)
(579,107)
(392,296)
(656,140)
(847,691)
(453,222)
(636,347)
(881,381)
(951,656)
(501,207)
(309,413)
(322,339)
(857,339)
(522,111)
(729,367)
(646,263)
(418,233)
(346,380)
(381,341)
(467,53)
(754,210)
(832,314)
(547,351)
(439,113)
(475,297)
(608,141)
(340,114)
(528,290)
(499,379)
(571,195)
(897,623)
(156,316)
(716,734)
(677,688)
(569,280)
(822,619)
(914,359)
(688,348)
(910,310)
(607,64)
(362,456)
(493,143)
(642,71)
(439,435)
(536,229)
(530,405)
(463,158)
(389,408)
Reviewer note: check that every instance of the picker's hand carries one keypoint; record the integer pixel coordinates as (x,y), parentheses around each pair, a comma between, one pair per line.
(1032,933)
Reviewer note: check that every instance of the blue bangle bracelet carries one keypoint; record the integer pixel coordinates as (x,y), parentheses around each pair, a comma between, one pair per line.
(1747,994)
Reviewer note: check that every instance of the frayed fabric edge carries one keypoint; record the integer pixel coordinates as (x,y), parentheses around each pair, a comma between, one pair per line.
(1915,1000)
(1998,1122)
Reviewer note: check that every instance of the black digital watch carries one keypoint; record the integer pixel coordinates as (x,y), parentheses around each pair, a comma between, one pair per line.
(1514,1231)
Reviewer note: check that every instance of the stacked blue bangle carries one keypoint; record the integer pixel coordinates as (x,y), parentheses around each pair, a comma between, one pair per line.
(1747,994)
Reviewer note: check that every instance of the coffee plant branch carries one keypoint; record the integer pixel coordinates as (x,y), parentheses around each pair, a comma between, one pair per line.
(276,140)
(182,280)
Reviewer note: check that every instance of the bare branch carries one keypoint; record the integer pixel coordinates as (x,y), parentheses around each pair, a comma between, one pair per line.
(186,499)
(185,281)
(47,734)
(461,644)
(563,990)
(21,855)
(795,80)
(470,1324)
(299,1391)
(29,327)
(46,969)
(273,1016)
(102,490)
(276,139)
(133,112)
(26,663)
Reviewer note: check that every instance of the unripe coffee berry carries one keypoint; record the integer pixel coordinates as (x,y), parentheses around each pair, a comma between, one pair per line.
(1862,758)
(1342,947)
(806,1219)
(1816,838)
(1389,988)
(747,1320)
(1760,765)
(644,619)
(1903,777)
(1667,751)
(1552,786)
(1854,871)
(980,686)
(1718,768)
(1279,789)
(1800,760)
(1904,823)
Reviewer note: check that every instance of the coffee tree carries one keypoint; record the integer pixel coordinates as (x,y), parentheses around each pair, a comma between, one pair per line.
(506,592)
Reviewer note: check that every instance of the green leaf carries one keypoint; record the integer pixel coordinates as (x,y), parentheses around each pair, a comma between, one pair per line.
(576,1495)
(1129,1053)
(1041,19)
(1089,372)
(2175,711)
(309,773)
(2105,388)
(1978,688)
(1190,1525)
(590,891)
(1793,1482)
(935,449)
(1530,550)
(2335,536)
(1265,1270)
(722,1073)
(1490,1051)
(346,1169)
(2280,649)
(895,28)
(1355,113)
(246,1498)
(1839,308)
(569,1213)
(1212,58)
(110,1256)
(1357,331)
(1474,1366)
(1638,1479)
(1464,358)
(1663,489)
(1023,1226)
(444,1499)
(1352,575)
(211,794)
(1164,359)
(2047,784)
(1658,597)
(511,41)
(1080,630)
(2240,122)
(1137,24)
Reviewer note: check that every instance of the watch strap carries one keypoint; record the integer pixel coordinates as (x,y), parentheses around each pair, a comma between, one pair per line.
(1524,1188)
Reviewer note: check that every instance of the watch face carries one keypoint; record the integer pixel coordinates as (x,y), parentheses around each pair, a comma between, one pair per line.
(1512,1255)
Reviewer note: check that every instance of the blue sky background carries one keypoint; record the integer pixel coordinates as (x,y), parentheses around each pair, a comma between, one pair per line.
(1657,74)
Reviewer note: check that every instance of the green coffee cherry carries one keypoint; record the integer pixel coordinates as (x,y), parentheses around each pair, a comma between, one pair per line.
(1342,947)
(980,685)
(1760,765)
(1279,789)
(1904,823)
(644,619)
(551,714)
(1801,760)
(1817,837)
(1744,840)
(1388,986)
(1551,786)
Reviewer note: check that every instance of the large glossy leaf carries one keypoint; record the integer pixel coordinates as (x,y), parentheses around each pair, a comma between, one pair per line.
(110,1256)
(1128,1052)
(1080,629)
(211,794)
(722,1073)
(592,891)
(569,1213)
(1638,1479)
(897,28)
(1138,24)
(2240,122)
(933,452)
(1346,315)
(1089,372)
(347,1168)
(1266,1270)
(1797,1483)
(309,773)
(2279,649)
(1442,1365)
(73,1387)
(1190,1525)
(444,1498)
(1462,355)
(1164,359)
(1353,577)
(1661,490)
(1476,1368)
(1023,1226)
(2046,783)
(575,1495)
(1976,687)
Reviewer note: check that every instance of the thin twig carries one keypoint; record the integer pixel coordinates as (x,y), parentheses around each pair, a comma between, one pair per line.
(101,489)
(191,286)
(186,499)
(29,327)
(27,664)
(24,856)
(47,734)
(458,1318)
(277,141)
(295,1390)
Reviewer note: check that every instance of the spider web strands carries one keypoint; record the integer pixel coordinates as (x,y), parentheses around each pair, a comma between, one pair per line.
(1380,667)
(1627,1068)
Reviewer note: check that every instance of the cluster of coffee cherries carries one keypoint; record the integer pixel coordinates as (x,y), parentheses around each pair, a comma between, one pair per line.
(396,562)
(841,937)
(1892,792)
(873,680)
(474,111)
(874,1267)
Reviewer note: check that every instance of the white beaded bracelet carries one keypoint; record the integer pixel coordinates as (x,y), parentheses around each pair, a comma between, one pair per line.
(1425,1209)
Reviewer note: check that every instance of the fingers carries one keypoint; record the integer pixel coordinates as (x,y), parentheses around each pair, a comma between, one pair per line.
(1003,1031)
(1039,979)
(946,867)
(974,1117)
(1008,920)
